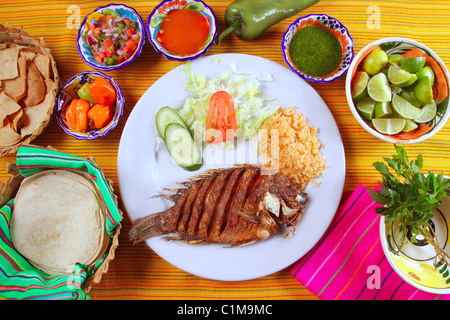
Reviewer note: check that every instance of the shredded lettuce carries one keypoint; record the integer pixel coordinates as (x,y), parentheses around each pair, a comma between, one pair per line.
(251,106)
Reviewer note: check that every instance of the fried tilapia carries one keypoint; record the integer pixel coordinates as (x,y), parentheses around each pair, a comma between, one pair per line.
(237,205)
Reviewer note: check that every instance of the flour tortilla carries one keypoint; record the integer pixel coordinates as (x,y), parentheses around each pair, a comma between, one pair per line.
(58,220)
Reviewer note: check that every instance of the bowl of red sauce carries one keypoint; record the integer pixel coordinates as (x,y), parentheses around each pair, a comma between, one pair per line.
(182,30)
(111,37)
(318,48)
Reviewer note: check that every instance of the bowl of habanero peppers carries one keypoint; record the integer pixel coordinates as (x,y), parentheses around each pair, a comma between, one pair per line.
(89,105)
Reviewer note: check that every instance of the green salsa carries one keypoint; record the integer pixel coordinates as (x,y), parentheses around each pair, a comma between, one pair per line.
(315,51)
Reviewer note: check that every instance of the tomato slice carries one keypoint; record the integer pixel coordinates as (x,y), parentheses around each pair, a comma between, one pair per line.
(221,124)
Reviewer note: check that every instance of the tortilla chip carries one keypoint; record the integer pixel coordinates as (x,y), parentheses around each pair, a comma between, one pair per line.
(36,87)
(43,64)
(16,88)
(27,54)
(8,63)
(50,85)
(34,116)
(8,136)
(16,120)
(7,106)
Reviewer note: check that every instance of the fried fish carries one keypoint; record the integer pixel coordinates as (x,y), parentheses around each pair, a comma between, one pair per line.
(238,205)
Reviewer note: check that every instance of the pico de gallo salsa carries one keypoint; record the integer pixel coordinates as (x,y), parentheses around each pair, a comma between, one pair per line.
(112,40)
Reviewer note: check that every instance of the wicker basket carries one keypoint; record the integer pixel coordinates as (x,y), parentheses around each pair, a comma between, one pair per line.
(8,191)
(10,35)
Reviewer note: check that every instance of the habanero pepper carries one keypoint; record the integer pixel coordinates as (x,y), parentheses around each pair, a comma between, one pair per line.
(103,91)
(250,18)
(101,115)
(77,115)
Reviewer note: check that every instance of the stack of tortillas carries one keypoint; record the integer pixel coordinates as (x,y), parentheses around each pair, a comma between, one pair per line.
(58,220)
(29,82)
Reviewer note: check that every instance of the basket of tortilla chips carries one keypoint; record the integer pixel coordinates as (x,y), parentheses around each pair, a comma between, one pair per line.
(61,225)
(29,81)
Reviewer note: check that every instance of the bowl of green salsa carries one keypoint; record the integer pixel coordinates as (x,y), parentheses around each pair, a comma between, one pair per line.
(318,48)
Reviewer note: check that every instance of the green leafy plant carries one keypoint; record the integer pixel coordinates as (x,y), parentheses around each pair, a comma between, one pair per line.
(411,196)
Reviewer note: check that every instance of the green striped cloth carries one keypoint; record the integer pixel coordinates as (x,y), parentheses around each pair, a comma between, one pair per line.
(18,278)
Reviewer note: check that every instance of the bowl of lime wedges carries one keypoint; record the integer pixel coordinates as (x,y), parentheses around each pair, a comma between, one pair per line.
(398,90)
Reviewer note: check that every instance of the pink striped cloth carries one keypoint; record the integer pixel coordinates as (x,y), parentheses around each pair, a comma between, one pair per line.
(348,263)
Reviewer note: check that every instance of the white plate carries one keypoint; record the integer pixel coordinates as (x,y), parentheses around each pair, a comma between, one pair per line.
(142,173)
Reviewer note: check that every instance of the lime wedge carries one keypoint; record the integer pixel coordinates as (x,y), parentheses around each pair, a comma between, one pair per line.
(375,61)
(405,109)
(426,72)
(428,113)
(382,109)
(389,125)
(395,89)
(400,78)
(378,88)
(366,107)
(359,90)
(410,125)
(423,90)
(395,59)
(412,64)
(411,98)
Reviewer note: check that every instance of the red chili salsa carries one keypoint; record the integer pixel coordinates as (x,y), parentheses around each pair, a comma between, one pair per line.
(183,31)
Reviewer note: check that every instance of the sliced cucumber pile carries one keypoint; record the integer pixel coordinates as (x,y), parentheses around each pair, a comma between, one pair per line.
(178,139)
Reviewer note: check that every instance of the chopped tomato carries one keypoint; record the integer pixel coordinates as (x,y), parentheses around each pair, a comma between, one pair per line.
(221,124)
(120,59)
(131,32)
(109,47)
(90,25)
(131,44)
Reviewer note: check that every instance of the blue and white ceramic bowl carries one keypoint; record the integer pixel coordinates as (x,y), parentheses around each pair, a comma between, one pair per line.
(160,11)
(335,27)
(68,92)
(98,15)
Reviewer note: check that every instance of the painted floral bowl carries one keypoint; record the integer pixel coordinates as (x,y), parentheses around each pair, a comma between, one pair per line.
(415,263)
(336,28)
(161,11)
(124,52)
(406,48)
(68,92)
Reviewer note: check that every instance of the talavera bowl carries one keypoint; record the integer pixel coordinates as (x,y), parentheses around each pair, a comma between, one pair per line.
(97,14)
(335,27)
(160,11)
(67,92)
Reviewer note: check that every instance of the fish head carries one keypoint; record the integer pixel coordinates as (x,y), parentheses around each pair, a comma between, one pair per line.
(284,200)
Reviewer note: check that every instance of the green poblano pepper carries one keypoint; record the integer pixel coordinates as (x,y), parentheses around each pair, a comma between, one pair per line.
(250,18)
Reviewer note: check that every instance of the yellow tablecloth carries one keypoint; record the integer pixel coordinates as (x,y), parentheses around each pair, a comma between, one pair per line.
(137,272)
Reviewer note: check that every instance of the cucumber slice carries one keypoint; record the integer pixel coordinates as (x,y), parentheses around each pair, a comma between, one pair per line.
(166,116)
(182,148)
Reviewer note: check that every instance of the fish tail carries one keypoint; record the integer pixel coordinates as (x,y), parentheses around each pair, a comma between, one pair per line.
(147,227)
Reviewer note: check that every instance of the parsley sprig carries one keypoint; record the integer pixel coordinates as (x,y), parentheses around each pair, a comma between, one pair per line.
(411,196)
